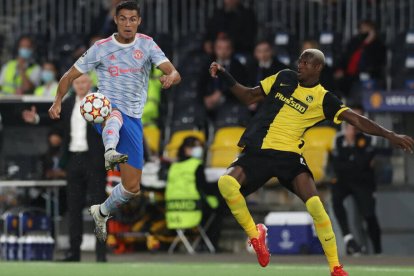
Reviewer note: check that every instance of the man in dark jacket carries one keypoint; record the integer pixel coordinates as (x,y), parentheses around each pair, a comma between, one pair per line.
(352,160)
(86,174)
(364,60)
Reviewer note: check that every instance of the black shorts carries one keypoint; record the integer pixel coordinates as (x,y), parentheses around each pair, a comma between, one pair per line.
(261,165)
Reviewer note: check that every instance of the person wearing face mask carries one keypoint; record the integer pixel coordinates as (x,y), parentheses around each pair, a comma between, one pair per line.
(48,77)
(21,75)
(186,178)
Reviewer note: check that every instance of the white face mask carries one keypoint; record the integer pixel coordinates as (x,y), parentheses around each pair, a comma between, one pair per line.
(197,152)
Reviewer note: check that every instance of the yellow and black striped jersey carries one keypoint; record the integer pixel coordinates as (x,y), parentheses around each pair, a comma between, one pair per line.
(288,110)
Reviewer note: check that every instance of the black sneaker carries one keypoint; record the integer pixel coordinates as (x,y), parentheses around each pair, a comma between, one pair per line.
(353,248)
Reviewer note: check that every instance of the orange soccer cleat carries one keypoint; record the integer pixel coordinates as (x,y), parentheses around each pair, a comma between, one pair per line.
(338,271)
(259,245)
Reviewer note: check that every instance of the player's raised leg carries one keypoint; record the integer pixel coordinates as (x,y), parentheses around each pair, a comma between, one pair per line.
(121,194)
(110,137)
(305,188)
(229,186)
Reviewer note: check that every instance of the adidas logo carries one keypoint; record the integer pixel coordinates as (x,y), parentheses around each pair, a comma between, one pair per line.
(112,57)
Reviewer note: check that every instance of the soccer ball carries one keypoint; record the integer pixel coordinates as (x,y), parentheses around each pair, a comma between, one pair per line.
(95,108)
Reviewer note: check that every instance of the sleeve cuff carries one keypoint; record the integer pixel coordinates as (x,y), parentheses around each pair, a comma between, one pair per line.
(161,62)
(79,69)
(336,120)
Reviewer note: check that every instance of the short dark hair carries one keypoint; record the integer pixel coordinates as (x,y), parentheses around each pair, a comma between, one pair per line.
(370,23)
(189,141)
(128,5)
(28,37)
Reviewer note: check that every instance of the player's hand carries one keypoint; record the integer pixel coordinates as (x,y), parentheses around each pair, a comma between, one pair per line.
(214,68)
(404,142)
(54,110)
(166,81)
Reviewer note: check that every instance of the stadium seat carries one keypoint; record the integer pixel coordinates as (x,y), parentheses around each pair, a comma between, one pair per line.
(224,149)
(318,144)
(152,137)
(177,139)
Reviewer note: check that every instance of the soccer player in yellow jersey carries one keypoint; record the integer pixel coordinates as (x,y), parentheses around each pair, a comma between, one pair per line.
(292,102)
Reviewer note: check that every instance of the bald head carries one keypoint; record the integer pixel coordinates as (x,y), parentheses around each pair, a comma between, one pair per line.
(317,56)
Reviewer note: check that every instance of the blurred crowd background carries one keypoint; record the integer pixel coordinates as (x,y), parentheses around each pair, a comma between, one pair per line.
(369,49)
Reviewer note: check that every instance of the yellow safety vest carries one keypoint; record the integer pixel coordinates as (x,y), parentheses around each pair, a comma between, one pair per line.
(40,90)
(11,79)
(181,195)
(150,113)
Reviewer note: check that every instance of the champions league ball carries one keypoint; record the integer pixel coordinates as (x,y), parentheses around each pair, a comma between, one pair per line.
(95,108)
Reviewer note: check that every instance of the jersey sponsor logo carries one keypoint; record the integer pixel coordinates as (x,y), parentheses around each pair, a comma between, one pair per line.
(114,71)
(309,98)
(292,102)
(138,54)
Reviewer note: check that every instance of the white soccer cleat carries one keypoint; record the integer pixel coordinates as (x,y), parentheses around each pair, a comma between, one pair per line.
(112,157)
(100,223)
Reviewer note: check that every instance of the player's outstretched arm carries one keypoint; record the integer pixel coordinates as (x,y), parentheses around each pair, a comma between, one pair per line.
(63,87)
(171,75)
(368,126)
(246,95)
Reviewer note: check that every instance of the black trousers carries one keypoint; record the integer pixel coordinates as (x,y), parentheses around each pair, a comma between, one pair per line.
(365,201)
(86,180)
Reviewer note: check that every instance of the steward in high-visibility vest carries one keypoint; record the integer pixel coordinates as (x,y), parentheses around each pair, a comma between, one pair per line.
(11,80)
(182,197)
(20,75)
(48,77)
(151,108)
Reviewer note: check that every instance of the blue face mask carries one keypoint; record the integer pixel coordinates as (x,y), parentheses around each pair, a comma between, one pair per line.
(25,53)
(47,76)
(197,152)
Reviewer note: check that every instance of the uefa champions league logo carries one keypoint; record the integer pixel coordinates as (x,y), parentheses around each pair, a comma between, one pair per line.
(286,243)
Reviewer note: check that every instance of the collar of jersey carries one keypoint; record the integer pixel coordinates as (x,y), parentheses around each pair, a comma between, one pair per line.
(309,86)
(122,44)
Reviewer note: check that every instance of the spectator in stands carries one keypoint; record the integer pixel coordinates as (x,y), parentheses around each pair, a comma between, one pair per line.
(150,114)
(216,93)
(21,75)
(85,170)
(48,77)
(265,63)
(363,62)
(192,179)
(51,160)
(327,74)
(108,27)
(1,133)
(82,49)
(234,21)
(352,160)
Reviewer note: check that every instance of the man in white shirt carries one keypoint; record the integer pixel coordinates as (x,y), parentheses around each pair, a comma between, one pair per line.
(86,174)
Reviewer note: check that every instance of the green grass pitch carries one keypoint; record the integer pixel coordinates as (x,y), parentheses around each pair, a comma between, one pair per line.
(184,269)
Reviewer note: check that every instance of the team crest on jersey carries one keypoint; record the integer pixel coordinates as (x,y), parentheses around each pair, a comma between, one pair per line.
(138,54)
(309,98)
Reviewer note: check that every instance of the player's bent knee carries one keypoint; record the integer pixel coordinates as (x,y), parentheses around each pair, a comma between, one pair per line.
(228,185)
